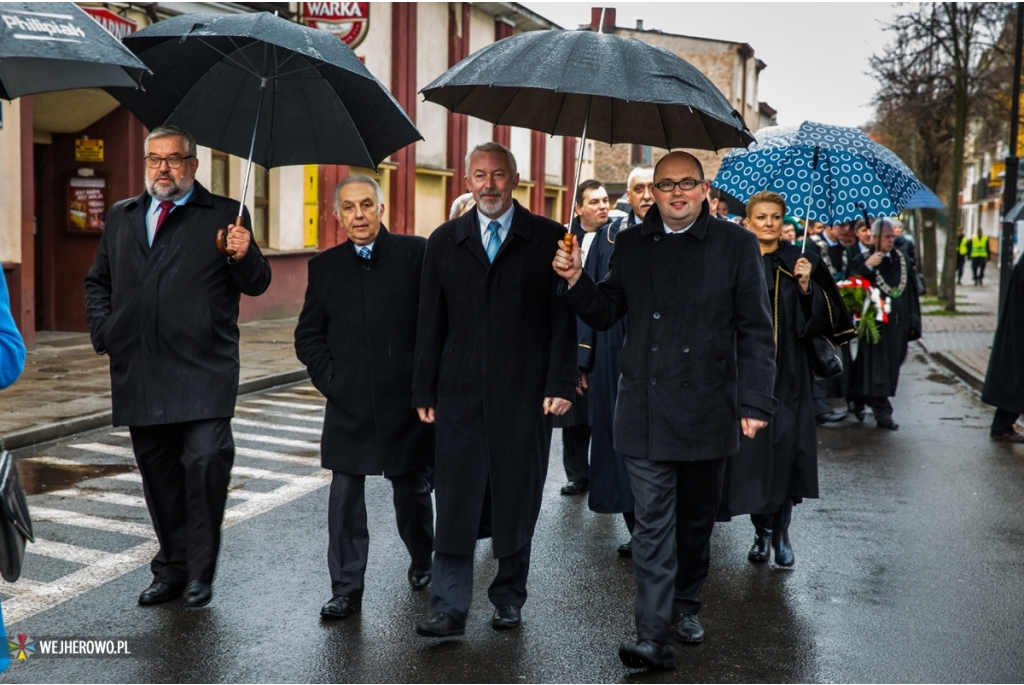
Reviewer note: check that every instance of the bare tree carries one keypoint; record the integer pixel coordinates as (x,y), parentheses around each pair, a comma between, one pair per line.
(944,64)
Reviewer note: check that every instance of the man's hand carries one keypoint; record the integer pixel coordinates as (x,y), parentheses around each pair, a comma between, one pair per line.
(568,265)
(554,405)
(874,260)
(802,271)
(238,241)
(426,414)
(583,383)
(751,426)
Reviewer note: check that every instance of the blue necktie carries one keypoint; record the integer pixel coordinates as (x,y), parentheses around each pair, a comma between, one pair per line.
(494,241)
(364,252)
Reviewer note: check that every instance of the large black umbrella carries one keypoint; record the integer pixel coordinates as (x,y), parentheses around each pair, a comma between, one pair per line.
(261,87)
(48,46)
(593,85)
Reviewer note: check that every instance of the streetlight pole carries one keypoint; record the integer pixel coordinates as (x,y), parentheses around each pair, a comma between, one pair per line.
(1012,165)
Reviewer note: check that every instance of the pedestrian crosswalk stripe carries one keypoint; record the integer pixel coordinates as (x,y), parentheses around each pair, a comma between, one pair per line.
(100,496)
(24,586)
(276,427)
(103,448)
(297,488)
(74,518)
(247,472)
(273,440)
(291,395)
(289,405)
(275,456)
(60,550)
(291,417)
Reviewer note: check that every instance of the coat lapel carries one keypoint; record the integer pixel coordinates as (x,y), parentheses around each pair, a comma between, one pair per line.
(467,232)
(137,220)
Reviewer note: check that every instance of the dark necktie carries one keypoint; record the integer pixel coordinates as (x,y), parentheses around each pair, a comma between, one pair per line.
(165,208)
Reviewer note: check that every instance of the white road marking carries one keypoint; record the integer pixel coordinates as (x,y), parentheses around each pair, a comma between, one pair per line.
(276,426)
(294,396)
(297,488)
(104,448)
(247,472)
(56,461)
(131,477)
(272,440)
(100,496)
(275,456)
(289,405)
(74,518)
(60,550)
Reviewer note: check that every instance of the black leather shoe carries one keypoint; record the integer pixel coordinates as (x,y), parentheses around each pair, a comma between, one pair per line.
(648,654)
(626,549)
(440,625)
(197,594)
(158,593)
(887,424)
(575,487)
(688,629)
(506,618)
(1007,437)
(419,579)
(761,550)
(339,607)
(830,417)
(858,411)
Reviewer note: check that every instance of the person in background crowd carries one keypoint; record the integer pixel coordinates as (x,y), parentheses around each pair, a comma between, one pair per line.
(979,256)
(876,370)
(358,350)
(1004,381)
(162,304)
(639,194)
(12,347)
(719,207)
(779,467)
(963,247)
(496,357)
(788,232)
(690,385)
(463,203)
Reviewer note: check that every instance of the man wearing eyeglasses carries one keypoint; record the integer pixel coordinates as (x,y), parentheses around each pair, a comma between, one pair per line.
(162,304)
(697,370)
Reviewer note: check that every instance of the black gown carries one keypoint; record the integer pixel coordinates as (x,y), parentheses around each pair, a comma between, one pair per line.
(1004,382)
(781,461)
(876,370)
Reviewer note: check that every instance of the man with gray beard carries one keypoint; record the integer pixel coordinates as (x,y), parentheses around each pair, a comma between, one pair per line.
(162,304)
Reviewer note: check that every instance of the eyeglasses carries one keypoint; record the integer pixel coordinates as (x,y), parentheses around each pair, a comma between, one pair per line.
(174,162)
(668,186)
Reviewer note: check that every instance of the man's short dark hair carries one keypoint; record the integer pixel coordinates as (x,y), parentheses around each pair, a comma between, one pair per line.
(589,184)
(714,193)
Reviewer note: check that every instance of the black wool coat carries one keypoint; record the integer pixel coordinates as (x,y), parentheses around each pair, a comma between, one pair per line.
(167,315)
(494,340)
(356,335)
(1004,381)
(699,350)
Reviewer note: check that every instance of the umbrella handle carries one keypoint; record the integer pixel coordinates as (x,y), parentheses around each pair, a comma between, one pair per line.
(222,239)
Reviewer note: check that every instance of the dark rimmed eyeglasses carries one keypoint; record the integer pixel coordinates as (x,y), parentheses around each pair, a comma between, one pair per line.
(668,186)
(174,162)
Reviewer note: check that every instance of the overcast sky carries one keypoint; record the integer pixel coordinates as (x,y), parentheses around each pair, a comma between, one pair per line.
(817,52)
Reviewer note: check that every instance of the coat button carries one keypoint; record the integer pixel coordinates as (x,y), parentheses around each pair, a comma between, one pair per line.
(654,381)
(686,350)
(654,348)
(657,238)
(686,384)
(366,267)
(657,315)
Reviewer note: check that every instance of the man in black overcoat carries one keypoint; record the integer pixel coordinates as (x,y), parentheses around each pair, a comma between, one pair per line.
(162,304)
(1004,381)
(495,359)
(356,335)
(697,370)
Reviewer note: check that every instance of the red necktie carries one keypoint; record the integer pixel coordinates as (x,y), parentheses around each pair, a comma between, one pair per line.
(165,209)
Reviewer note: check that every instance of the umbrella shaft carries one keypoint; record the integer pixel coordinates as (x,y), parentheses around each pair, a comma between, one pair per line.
(252,147)
(579,161)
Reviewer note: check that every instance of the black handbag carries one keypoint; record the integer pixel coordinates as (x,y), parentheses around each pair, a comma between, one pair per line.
(825,357)
(15,523)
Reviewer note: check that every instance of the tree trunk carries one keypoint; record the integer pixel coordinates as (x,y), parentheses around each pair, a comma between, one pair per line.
(928,252)
(947,288)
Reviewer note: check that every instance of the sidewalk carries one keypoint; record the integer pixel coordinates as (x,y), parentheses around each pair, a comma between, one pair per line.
(962,342)
(65,388)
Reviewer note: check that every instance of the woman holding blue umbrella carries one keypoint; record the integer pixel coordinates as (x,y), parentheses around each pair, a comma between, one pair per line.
(779,466)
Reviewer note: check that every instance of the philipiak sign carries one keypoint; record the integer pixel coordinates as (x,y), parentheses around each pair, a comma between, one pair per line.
(349,21)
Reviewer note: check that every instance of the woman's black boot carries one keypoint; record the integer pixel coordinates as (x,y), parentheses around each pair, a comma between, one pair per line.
(761,550)
(780,534)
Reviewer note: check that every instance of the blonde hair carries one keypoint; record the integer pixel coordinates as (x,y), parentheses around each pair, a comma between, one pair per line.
(765,197)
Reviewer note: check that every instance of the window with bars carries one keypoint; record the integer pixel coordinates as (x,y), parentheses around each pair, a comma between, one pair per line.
(261,204)
(220,182)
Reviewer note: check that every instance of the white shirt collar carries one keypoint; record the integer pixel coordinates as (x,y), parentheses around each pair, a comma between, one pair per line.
(505,220)
(368,246)
(680,232)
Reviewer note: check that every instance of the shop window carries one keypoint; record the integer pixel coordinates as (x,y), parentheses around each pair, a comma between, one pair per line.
(219,180)
(261,204)
(639,155)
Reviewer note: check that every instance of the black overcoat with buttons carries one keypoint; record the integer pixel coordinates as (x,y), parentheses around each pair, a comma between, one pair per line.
(356,335)
(699,351)
(494,340)
(167,315)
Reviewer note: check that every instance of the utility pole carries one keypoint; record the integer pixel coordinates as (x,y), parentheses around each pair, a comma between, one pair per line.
(1012,165)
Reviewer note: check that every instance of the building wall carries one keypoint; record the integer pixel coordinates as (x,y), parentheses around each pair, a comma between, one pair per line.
(10,188)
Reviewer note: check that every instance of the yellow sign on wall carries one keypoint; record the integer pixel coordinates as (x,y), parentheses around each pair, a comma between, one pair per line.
(89,150)
(311,205)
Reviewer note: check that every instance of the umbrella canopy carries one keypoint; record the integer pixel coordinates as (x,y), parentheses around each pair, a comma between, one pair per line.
(613,89)
(217,75)
(48,46)
(1016,213)
(851,174)
(924,199)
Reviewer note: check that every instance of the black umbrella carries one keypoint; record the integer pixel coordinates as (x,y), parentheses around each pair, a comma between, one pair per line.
(261,87)
(582,83)
(47,46)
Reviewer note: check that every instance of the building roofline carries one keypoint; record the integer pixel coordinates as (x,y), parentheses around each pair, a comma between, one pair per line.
(741,47)
(518,15)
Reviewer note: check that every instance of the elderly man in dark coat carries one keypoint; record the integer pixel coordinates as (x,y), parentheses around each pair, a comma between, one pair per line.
(162,303)
(697,370)
(356,335)
(495,358)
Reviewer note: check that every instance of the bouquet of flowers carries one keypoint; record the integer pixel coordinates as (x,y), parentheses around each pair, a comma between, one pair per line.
(868,306)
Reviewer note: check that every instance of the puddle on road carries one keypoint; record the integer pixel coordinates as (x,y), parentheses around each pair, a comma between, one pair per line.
(940,378)
(40,478)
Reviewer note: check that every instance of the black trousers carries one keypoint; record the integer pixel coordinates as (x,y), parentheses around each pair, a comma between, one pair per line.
(960,260)
(880,406)
(186,468)
(349,539)
(575,450)
(451,583)
(978,268)
(1002,422)
(676,503)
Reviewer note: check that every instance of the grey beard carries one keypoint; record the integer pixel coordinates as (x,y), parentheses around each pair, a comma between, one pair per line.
(490,205)
(176,191)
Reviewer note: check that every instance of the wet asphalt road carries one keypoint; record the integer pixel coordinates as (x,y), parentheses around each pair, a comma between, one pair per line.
(908,569)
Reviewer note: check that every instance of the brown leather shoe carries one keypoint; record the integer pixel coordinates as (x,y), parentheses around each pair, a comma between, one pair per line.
(1008,437)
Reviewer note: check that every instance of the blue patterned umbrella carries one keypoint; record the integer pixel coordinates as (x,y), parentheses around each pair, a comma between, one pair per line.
(851,174)
(924,199)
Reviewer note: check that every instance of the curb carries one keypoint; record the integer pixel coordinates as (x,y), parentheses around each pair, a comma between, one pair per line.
(62,429)
(950,363)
